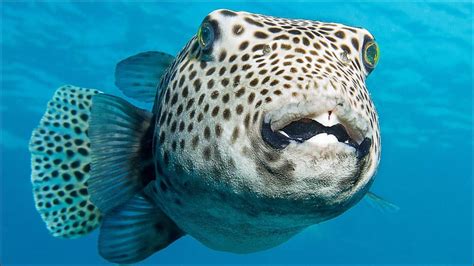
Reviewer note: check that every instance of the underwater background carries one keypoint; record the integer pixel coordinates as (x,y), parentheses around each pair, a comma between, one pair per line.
(422,88)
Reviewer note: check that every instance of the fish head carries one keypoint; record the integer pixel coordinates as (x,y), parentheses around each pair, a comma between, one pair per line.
(273,109)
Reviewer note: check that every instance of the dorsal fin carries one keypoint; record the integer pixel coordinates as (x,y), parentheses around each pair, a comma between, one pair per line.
(138,76)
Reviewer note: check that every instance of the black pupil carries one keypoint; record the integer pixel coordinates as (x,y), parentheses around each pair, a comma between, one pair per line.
(206,36)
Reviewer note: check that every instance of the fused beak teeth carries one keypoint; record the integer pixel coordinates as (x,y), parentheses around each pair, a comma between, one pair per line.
(305,129)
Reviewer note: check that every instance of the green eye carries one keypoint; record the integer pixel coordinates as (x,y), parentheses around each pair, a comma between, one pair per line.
(205,36)
(371,54)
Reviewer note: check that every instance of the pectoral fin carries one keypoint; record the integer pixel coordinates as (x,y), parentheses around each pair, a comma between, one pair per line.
(122,160)
(380,203)
(135,230)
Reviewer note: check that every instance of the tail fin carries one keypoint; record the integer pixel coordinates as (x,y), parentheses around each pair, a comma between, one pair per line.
(61,162)
(92,158)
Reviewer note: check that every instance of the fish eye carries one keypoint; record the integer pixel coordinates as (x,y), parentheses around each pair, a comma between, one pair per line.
(205,36)
(371,54)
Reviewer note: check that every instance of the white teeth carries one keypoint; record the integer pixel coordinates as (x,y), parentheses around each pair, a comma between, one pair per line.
(323,139)
(283,133)
(327,119)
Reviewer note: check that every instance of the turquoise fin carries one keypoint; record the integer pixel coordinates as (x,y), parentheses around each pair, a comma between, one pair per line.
(121,151)
(380,203)
(138,76)
(135,230)
(60,164)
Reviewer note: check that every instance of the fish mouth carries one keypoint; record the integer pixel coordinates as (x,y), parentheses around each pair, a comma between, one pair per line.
(323,128)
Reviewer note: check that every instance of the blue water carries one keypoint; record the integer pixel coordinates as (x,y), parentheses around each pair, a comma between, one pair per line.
(422,88)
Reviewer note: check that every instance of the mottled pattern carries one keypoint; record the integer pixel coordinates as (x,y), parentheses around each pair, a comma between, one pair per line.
(209,114)
(217,178)
(262,60)
(60,164)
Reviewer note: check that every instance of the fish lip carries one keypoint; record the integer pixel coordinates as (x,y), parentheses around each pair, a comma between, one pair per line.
(356,126)
(280,140)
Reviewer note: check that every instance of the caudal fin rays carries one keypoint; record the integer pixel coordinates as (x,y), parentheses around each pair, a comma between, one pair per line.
(60,163)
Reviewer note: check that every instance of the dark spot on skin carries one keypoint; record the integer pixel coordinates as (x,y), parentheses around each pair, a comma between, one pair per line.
(243,45)
(238,29)
(210,84)
(239,109)
(228,13)
(331,39)
(285,46)
(274,30)
(210,71)
(294,32)
(79,176)
(251,97)
(83,151)
(254,82)
(258,47)
(166,158)
(83,191)
(197,85)
(207,133)
(306,41)
(226,114)
(235,135)
(225,82)
(346,49)
(195,141)
(225,98)
(355,43)
(260,35)
(206,153)
(218,130)
(281,37)
(84,117)
(222,56)
(240,92)
(247,120)
(253,22)
(340,34)
(215,111)
(233,69)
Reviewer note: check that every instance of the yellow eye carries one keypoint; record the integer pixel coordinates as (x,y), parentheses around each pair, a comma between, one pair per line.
(371,54)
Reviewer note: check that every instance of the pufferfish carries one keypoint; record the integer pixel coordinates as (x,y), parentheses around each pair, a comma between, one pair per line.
(261,126)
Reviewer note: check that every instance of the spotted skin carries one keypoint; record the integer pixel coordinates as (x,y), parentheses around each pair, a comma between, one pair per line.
(216,178)
(60,159)
(211,161)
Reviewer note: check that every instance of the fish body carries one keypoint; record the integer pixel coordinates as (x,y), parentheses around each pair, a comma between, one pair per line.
(261,127)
